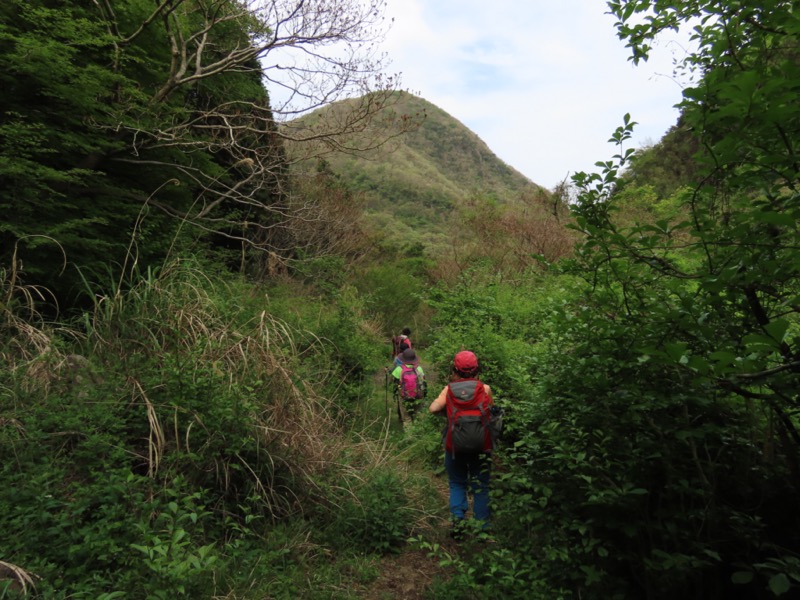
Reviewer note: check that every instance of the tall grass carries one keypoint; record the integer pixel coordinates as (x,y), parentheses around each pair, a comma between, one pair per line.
(169,442)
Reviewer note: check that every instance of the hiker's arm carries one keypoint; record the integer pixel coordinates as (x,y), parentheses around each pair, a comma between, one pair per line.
(439,404)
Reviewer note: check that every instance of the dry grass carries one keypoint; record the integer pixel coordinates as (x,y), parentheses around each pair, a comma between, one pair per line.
(21,580)
(513,237)
(178,312)
(27,339)
(306,459)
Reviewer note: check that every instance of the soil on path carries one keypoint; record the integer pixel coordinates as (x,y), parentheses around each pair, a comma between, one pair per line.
(408,574)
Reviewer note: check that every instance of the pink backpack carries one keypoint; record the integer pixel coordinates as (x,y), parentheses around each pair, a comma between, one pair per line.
(411,386)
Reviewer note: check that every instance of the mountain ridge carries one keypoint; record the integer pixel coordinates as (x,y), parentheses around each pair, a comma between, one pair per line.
(411,182)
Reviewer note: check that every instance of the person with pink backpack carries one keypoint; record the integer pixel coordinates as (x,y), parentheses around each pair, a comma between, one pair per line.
(411,387)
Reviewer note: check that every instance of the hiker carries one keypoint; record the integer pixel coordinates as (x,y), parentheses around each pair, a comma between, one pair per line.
(401,342)
(410,383)
(467,460)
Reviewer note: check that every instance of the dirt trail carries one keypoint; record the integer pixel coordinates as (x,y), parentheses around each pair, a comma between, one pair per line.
(408,574)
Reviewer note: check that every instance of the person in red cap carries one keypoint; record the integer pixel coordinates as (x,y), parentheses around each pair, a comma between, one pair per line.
(466,469)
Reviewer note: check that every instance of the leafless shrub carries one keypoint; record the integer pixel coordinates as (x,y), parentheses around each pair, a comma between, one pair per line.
(310,54)
(513,237)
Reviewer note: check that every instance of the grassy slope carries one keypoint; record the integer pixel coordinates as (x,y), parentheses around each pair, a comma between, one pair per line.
(413,181)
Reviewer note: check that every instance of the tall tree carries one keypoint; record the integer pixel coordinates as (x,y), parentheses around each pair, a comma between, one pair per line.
(697,353)
(744,204)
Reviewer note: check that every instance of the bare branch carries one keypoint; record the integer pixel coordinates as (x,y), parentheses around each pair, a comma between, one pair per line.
(313,53)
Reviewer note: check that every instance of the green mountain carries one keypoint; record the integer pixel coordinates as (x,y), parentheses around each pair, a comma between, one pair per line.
(412,182)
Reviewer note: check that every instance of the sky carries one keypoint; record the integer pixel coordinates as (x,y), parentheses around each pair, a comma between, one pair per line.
(544,83)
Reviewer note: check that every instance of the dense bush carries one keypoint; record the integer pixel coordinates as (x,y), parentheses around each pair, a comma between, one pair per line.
(657,444)
(154,453)
(396,294)
(622,474)
(372,518)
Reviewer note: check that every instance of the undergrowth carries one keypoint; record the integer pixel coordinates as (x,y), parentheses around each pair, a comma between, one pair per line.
(182,441)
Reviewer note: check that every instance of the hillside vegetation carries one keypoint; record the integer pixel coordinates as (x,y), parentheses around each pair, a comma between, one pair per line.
(193,329)
(413,182)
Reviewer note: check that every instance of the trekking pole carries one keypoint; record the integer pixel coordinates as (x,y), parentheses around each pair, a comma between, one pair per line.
(386,389)
(399,407)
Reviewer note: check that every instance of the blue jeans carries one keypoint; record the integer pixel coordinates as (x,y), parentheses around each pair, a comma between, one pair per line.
(468,472)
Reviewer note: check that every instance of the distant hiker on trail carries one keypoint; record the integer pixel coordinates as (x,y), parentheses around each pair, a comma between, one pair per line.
(472,427)
(400,343)
(410,386)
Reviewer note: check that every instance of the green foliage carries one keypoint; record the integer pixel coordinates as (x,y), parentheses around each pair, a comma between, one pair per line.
(609,451)
(665,167)
(340,347)
(178,567)
(48,57)
(623,458)
(185,439)
(79,493)
(422,440)
(354,352)
(396,292)
(374,519)
(327,273)
(653,429)
(102,148)
(149,455)
(668,456)
(496,321)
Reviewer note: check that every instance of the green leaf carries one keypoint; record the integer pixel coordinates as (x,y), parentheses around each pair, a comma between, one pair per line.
(756,341)
(698,364)
(777,329)
(714,555)
(779,584)
(742,577)
(676,351)
(775,218)
(723,358)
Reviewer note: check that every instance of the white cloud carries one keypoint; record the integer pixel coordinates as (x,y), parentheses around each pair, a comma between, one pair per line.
(543,83)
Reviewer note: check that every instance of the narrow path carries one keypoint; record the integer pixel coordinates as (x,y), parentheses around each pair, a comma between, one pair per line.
(408,574)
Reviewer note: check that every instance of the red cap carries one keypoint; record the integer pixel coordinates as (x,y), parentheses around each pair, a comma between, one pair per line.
(465,361)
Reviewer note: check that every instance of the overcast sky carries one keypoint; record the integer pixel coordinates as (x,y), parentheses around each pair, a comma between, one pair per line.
(543,82)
